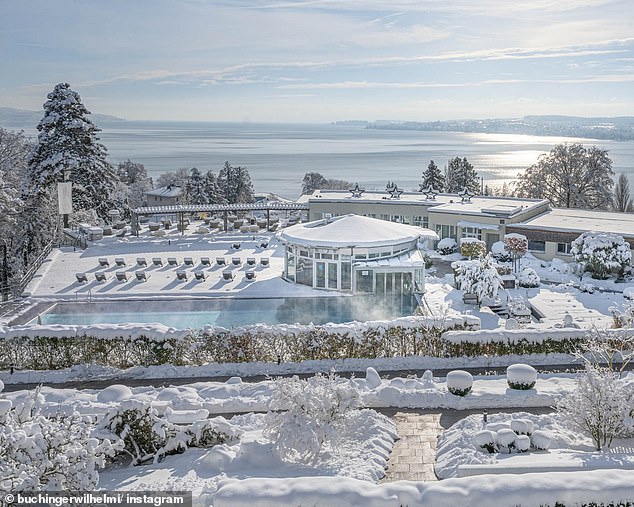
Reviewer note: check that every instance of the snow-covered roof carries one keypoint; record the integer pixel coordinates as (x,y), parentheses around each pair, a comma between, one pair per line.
(579,220)
(410,259)
(353,230)
(477,225)
(448,203)
(168,191)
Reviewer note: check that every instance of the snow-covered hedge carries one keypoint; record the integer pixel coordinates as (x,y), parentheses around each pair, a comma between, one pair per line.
(528,278)
(446,246)
(472,247)
(521,376)
(459,382)
(601,253)
(500,253)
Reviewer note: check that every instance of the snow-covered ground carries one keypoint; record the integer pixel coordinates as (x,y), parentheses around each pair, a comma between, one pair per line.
(56,279)
(569,451)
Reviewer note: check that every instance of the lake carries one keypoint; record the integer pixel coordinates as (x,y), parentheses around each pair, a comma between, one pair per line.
(278,155)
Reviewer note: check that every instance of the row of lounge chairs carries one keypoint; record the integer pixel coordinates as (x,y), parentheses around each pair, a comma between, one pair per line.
(181,275)
(187,261)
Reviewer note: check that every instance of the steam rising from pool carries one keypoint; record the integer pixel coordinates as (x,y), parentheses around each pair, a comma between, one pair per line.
(231,313)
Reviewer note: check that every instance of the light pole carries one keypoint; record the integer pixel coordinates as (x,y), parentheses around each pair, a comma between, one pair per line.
(5,272)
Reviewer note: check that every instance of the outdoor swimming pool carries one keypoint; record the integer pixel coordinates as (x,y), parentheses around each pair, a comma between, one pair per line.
(228,313)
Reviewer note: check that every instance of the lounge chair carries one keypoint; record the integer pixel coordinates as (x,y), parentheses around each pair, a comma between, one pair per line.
(235,246)
(221,261)
(120,261)
(227,274)
(100,277)
(188,261)
(264,244)
(103,262)
(181,275)
(250,275)
(172,261)
(200,275)
(81,277)
(205,261)
(122,276)
(264,261)
(141,276)
(251,261)
(236,261)
(157,261)
(141,261)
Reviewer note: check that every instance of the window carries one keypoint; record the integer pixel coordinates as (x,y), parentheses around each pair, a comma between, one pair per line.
(426,222)
(385,217)
(446,231)
(537,246)
(471,232)
(563,248)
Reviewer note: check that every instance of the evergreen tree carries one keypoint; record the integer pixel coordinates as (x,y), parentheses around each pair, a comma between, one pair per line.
(571,176)
(68,150)
(433,176)
(212,190)
(622,199)
(461,175)
(235,184)
(196,188)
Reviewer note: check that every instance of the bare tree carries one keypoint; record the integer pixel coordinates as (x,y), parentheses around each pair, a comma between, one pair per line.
(622,200)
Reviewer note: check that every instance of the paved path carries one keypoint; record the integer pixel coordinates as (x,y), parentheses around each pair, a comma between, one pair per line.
(414,454)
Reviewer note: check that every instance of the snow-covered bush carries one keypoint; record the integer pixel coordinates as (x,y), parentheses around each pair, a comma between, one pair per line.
(522,443)
(372,378)
(601,253)
(40,453)
(599,405)
(541,440)
(528,278)
(505,439)
(522,426)
(472,247)
(478,277)
(485,439)
(314,410)
(446,246)
(521,376)
(145,436)
(459,382)
(500,253)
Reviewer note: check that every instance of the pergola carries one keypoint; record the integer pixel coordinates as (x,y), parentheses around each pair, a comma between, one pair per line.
(181,210)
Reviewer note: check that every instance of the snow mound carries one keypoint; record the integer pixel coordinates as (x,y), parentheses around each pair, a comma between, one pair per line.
(185,416)
(372,378)
(114,393)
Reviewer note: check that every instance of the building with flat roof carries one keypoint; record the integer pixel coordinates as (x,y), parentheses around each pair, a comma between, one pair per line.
(449,215)
(356,254)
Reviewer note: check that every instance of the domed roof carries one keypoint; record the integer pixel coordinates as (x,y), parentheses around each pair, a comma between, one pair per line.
(353,230)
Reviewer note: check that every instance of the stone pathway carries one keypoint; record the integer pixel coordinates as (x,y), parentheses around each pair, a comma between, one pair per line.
(413,456)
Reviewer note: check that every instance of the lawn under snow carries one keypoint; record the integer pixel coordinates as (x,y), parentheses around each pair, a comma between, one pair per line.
(569,451)
(361,452)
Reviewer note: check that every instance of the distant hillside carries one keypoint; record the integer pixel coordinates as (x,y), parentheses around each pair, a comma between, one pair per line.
(618,128)
(22,118)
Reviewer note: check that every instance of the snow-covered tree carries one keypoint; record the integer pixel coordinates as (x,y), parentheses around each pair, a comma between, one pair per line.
(599,405)
(517,246)
(68,150)
(311,412)
(601,253)
(571,176)
(39,453)
(235,184)
(315,181)
(461,175)
(178,178)
(478,277)
(433,177)
(212,190)
(129,192)
(622,200)
(613,350)
(196,187)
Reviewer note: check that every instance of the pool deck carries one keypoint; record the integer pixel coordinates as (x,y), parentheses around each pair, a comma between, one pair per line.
(56,279)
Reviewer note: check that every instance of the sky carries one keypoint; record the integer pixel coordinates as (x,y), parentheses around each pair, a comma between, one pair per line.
(321,60)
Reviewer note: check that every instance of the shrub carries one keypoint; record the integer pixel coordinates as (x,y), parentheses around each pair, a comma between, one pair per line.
(541,440)
(505,439)
(472,247)
(522,443)
(500,253)
(601,253)
(485,439)
(521,376)
(528,278)
(459,382)
(522,426)
(446,246)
